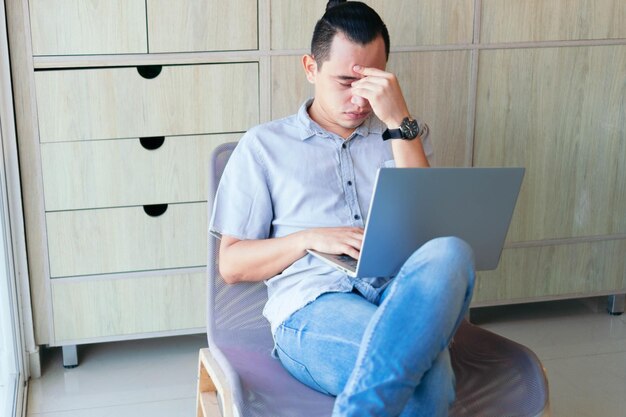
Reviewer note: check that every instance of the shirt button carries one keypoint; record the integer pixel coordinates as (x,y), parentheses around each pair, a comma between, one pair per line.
(343,145)
(357,217)
(349,182)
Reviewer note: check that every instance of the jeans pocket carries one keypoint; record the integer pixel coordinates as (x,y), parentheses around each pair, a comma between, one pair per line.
(299,371)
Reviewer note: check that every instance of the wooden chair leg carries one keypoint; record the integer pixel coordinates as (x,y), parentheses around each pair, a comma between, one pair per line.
(211,384)
(206,399)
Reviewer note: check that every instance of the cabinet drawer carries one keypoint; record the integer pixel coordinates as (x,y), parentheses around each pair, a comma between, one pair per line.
(81,27)
(84,242)
(202,25)
(120,103)
(127,172)
(100,308)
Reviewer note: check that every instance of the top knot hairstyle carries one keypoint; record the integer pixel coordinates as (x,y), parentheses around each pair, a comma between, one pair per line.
(356,20)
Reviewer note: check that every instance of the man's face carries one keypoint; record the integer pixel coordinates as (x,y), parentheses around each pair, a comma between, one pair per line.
(335,108)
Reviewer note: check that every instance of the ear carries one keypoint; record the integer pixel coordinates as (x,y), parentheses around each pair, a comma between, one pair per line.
(310,68)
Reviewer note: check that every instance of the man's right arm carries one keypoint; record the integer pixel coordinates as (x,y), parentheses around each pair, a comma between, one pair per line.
(258,260)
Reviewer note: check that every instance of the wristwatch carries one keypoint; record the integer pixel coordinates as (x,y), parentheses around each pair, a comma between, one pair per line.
(409,129)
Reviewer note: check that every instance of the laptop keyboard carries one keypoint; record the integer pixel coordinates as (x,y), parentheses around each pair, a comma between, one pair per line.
(348,260)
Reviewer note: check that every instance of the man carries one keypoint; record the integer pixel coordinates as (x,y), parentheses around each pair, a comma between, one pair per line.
(304,182)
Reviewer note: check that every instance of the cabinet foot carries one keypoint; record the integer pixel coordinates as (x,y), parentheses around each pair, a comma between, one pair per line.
(615,304)
(70,356)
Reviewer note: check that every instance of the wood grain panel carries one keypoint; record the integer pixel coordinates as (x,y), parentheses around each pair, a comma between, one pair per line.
(120,103)
(202,25)
(20,50)
(292,22)
(410,23)
(560,113)
(436,88)
(543,20)
(80,27)
(290,88)
(115,307)
(414,23)
(110,173)
(539,273)
(101,241)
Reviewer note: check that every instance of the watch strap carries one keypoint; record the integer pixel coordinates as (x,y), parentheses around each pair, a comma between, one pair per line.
(392,134)
(398,133)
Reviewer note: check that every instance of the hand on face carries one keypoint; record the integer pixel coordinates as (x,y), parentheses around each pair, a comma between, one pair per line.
(382,90)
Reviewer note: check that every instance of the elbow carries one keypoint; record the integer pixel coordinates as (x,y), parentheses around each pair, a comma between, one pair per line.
(229,269)
(229,274)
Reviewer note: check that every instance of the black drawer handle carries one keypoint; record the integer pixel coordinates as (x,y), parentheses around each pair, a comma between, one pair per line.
(152,143)
(149,71)
(155,210)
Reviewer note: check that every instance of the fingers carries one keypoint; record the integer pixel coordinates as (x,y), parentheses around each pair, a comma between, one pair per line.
(352,241)
(373,77)
(368,71)
(382,90)
(337,240)
(350,251)
(355,241)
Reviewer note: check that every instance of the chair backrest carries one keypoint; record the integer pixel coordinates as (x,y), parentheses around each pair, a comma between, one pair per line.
(231,308)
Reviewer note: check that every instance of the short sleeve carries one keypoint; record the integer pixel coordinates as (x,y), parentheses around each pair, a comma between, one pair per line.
(243,206)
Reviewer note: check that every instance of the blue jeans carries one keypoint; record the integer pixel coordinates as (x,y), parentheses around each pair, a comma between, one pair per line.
(389,358)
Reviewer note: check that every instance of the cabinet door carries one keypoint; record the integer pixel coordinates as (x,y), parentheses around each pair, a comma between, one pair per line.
(555,20)
(202,25)
(83,27)
(86,242)
(410,22)
(105,308)
(109,103)
(127,172)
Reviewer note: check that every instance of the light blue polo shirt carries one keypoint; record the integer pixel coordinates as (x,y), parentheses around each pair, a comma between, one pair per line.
(289,175)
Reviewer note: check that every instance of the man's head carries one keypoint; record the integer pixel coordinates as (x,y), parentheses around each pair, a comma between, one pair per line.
(348,34)
(357,21)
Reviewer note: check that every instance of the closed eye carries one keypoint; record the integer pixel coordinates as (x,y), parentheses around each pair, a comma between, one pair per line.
(345,80)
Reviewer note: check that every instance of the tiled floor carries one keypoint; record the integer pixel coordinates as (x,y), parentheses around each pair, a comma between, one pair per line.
(582,348)
(151,377)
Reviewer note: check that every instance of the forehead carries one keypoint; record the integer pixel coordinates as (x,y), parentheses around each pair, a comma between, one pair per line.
(345,54)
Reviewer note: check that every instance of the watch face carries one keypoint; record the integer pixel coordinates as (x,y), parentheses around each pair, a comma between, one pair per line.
(409,128)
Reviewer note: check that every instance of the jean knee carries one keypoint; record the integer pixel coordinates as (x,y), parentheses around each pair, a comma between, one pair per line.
(447,250)
(451,257)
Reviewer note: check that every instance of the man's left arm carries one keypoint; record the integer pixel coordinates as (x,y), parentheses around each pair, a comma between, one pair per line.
(384,94)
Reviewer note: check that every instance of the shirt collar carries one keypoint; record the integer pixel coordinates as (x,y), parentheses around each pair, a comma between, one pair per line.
(372,125)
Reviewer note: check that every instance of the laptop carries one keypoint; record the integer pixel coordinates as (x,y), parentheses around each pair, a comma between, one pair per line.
(411,206)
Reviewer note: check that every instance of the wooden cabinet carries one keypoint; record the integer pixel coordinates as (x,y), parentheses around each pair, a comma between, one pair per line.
(83,27)
(124,161)
(123,125)
(120,103)
(87,27)
(101,309)
(127,172)
(539,20)
(125,153)
(202,25)
(126,239)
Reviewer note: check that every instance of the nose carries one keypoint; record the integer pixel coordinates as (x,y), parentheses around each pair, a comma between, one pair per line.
(359,101)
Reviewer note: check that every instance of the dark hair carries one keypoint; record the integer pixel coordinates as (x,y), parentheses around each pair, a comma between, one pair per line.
(356,20)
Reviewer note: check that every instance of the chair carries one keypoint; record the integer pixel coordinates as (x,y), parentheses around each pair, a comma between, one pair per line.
(496,377)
